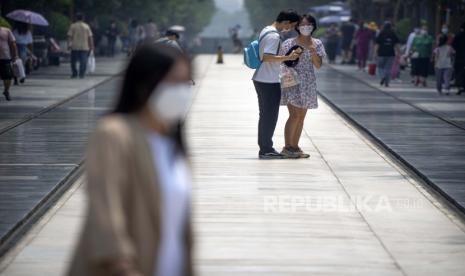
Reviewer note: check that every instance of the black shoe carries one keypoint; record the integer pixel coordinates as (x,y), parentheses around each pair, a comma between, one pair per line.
(271,155)
(73,76)
(459,92)
(7,95)
(382,82)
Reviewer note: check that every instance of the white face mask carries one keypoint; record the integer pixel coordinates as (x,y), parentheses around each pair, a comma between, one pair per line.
(306,30)
(171,102)
(445,30)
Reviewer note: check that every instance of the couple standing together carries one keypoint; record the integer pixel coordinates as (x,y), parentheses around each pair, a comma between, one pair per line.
(299,56)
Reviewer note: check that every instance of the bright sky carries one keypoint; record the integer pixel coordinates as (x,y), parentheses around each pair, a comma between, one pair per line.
(230,5)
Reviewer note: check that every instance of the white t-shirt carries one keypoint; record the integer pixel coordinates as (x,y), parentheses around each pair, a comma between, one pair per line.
(268,72)
(174,182)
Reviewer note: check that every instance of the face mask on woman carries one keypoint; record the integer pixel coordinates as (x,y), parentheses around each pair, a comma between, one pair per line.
(306,30)
(171,102)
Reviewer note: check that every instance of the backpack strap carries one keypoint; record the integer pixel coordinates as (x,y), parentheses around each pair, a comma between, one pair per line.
(264,35)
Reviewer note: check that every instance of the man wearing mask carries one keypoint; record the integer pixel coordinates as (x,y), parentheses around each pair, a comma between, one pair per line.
(445,31)
(266,80)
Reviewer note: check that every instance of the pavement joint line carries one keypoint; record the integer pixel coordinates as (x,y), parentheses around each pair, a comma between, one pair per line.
(378,238)
(431,195)
(49,108)
(22,227)
(442,196)
(434,114)
(15,250)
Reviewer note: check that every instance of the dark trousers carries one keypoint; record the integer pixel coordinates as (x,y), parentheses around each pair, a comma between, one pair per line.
(269,97)
(81,57)
(459,70)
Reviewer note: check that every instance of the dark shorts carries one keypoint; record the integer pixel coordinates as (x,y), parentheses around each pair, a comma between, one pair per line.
(6,71)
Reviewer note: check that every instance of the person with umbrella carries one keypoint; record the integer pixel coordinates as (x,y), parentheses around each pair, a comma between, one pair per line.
(24,41)
(81,43)
(8,53)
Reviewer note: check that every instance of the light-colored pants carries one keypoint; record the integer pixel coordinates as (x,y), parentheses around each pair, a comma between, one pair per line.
(443,76)
(384,68)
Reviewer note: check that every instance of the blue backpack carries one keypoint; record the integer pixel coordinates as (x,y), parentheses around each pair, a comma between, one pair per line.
(252,52)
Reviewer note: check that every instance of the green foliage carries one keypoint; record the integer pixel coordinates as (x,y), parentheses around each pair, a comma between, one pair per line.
(403,28)
(4,23)
(59,25)
(264,12)
(194,14)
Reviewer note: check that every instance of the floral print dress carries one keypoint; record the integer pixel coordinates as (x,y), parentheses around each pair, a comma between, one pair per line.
(303,95)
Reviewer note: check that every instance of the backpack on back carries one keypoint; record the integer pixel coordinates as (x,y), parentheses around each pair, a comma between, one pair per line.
(252,52)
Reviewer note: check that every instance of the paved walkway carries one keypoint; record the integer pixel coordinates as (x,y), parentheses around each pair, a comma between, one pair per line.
(348,210)
(424,129)
(42,135)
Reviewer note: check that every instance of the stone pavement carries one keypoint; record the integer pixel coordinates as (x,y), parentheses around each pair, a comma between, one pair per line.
(348,210)
(417,125)
(42,134)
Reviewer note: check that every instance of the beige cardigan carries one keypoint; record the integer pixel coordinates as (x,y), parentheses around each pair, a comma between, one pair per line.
(123,218)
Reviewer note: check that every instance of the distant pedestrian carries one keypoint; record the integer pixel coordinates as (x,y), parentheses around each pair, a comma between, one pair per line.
(445,31)
(442,56)
(136,35)
(332,42)
(422,49)
(138,219)
(459,63)
(151,31)
(24,41)
(408,48)
(170,38)
(81,43)
(348,30)
(267,83)
(387,47)
(8,54)
(363,38)
(112,35)
(302,96)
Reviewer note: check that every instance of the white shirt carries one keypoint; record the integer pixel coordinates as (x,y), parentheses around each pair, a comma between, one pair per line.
(24,39)
(410,39)
(268,72)
(175,196)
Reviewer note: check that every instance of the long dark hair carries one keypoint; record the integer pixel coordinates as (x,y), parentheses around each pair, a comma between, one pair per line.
(149,65)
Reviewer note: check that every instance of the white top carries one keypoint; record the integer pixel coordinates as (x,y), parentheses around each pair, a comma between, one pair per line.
(175,196)
(268,72)
(443,57)
(24,39)
(410,39)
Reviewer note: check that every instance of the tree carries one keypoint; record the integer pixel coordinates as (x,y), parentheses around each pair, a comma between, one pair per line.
(263,12)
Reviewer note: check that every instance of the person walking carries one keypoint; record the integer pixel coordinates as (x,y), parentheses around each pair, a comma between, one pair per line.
(347,30)
(363,38)
(138,178)
(171,38)
(81,43)
(408,48)
(442,56)
(332,42)
(112,35)
(24,41)
(422,48)
(267,83)
(459,64)
(303,96)
(8,54)
(386,48)
(151,31)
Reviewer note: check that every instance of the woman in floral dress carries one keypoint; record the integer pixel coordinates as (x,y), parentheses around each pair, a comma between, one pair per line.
(301,97)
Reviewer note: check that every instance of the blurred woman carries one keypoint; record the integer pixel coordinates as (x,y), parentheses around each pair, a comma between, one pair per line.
(363,38)
(422,48)
(299,98)
(332,42)
(24,41)
(387,47)
(138,220)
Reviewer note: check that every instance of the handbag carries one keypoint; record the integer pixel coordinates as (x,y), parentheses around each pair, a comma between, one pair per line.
(288,77)
(18,69)
(91,63)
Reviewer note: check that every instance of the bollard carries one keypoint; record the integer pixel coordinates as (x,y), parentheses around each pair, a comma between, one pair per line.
(219,55)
